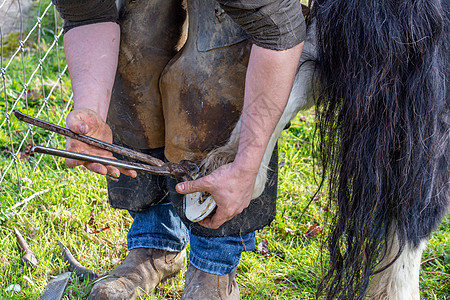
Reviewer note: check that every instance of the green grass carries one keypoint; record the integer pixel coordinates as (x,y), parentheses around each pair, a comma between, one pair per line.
(76,199)
(75,203)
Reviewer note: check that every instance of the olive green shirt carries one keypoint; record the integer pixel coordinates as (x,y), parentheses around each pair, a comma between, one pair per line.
(273,24)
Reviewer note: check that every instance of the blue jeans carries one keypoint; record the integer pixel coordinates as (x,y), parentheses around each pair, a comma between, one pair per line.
(159,227)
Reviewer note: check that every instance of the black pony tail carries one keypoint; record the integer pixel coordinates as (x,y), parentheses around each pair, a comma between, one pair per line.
(383,119)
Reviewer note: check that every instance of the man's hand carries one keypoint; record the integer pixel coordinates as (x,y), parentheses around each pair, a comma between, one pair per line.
(87,122)
(231,187)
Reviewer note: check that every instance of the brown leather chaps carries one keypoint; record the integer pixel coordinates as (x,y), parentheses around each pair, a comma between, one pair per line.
(180,104)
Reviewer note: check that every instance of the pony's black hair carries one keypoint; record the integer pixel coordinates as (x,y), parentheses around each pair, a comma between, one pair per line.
(383,119)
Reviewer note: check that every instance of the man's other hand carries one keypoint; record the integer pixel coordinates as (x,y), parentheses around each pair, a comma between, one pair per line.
(231,187)
(87,122)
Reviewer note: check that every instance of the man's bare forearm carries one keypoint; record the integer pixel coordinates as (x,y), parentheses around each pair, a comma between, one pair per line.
(92,54)
(269,80)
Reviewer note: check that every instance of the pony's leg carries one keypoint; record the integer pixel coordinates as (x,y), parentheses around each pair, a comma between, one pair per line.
(301,98)
(400,281)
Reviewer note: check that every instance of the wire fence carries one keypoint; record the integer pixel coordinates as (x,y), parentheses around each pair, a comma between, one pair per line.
(34,80)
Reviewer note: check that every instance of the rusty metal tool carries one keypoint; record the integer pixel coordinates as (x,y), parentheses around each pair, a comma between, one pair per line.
(185,170)
(196,206)
(56,287)
(28,258)
(57,284)
(80,271)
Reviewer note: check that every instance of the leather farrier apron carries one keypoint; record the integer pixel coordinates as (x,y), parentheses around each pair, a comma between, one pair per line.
(187,106)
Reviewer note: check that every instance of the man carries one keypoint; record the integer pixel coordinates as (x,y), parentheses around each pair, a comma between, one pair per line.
(140,116)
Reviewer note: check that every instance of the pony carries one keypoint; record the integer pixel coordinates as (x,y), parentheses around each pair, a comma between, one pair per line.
(377,71)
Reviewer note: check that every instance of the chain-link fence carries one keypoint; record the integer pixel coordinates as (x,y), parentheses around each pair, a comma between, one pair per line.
(34,80)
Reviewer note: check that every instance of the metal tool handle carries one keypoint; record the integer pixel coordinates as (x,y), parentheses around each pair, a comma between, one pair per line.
(89,140)
(163,170)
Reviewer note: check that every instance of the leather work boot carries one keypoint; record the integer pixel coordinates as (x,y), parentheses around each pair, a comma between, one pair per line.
(206,286)
(141,271)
